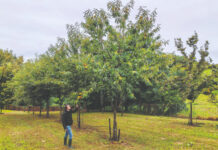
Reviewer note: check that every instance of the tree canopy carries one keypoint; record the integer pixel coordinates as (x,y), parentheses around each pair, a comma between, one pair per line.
(109,60)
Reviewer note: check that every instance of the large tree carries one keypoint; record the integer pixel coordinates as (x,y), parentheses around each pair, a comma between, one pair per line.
(9,65)
(121,49)
(34,84)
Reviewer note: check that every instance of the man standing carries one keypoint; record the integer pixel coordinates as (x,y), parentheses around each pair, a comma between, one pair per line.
(67,122)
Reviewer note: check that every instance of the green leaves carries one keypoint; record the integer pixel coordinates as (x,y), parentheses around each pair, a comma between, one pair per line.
(197,72)
(9,65)
(110,56)
(207,73)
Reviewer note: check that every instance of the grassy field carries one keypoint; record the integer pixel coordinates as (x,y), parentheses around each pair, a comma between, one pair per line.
(23,131)
(201,109)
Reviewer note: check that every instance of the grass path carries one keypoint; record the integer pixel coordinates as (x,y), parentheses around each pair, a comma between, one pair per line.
(22,131)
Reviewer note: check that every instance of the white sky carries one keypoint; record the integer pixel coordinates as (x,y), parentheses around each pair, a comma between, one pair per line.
(28,27)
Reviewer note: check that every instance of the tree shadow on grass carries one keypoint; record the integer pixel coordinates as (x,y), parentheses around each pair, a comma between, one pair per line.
(195,124)
(198,124)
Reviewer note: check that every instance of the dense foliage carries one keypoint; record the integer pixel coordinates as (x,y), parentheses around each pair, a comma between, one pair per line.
(9,65)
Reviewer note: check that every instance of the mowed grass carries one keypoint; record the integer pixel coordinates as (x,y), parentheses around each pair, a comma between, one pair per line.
(202,108)
(23,131)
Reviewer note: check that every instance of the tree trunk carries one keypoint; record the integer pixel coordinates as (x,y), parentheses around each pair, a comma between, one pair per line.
(78,117)
(121,106)
(115,122)
(85,106)
(118,137)
(102,100)
(190,115)
(61,110)
(149,109)
(109,129)
(60,105)
(47,108)
(40,111)
(33,110)
(140,107)
(2,107)
(126,107)
(122,110)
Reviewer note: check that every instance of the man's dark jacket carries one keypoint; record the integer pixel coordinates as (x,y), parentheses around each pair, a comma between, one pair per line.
(67,119)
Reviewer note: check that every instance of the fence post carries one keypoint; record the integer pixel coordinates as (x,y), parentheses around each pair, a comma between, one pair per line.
(110,128)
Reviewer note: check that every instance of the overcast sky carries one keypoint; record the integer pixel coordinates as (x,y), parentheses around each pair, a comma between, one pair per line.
(28,27)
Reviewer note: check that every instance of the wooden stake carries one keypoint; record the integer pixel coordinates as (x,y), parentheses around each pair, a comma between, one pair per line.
(110,128)
(118,135)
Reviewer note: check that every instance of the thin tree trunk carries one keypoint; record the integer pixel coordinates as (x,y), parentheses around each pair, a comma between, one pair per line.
(122,110)
(190,115)
(110,128)
(149,109)
(60,111)
(126,107)
(78,117)
(47,108)
(118,138)
(2,107)
(40,111)
(33,110)
(60,104)
(140,107)
(102,100)
(115,122)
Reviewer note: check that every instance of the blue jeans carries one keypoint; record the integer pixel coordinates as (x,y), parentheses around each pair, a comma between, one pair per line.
(68,132)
